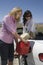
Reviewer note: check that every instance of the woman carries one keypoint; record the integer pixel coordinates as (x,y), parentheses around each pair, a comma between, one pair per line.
(28,27)
(28,23)
(7,34)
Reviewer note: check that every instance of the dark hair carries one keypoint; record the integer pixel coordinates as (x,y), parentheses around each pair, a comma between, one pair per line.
(27,13)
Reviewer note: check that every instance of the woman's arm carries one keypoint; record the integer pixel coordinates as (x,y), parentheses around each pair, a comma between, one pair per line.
(17,36)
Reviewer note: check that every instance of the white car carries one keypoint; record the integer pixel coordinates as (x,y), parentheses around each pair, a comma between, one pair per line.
(36,56)
(38,52)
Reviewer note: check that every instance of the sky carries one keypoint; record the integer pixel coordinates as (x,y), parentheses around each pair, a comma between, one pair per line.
(35,6)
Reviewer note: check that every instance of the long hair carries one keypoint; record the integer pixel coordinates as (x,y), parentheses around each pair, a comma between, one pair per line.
(15,10)
(27,13)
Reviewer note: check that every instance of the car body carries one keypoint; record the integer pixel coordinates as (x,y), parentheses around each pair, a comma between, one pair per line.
(38,52)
